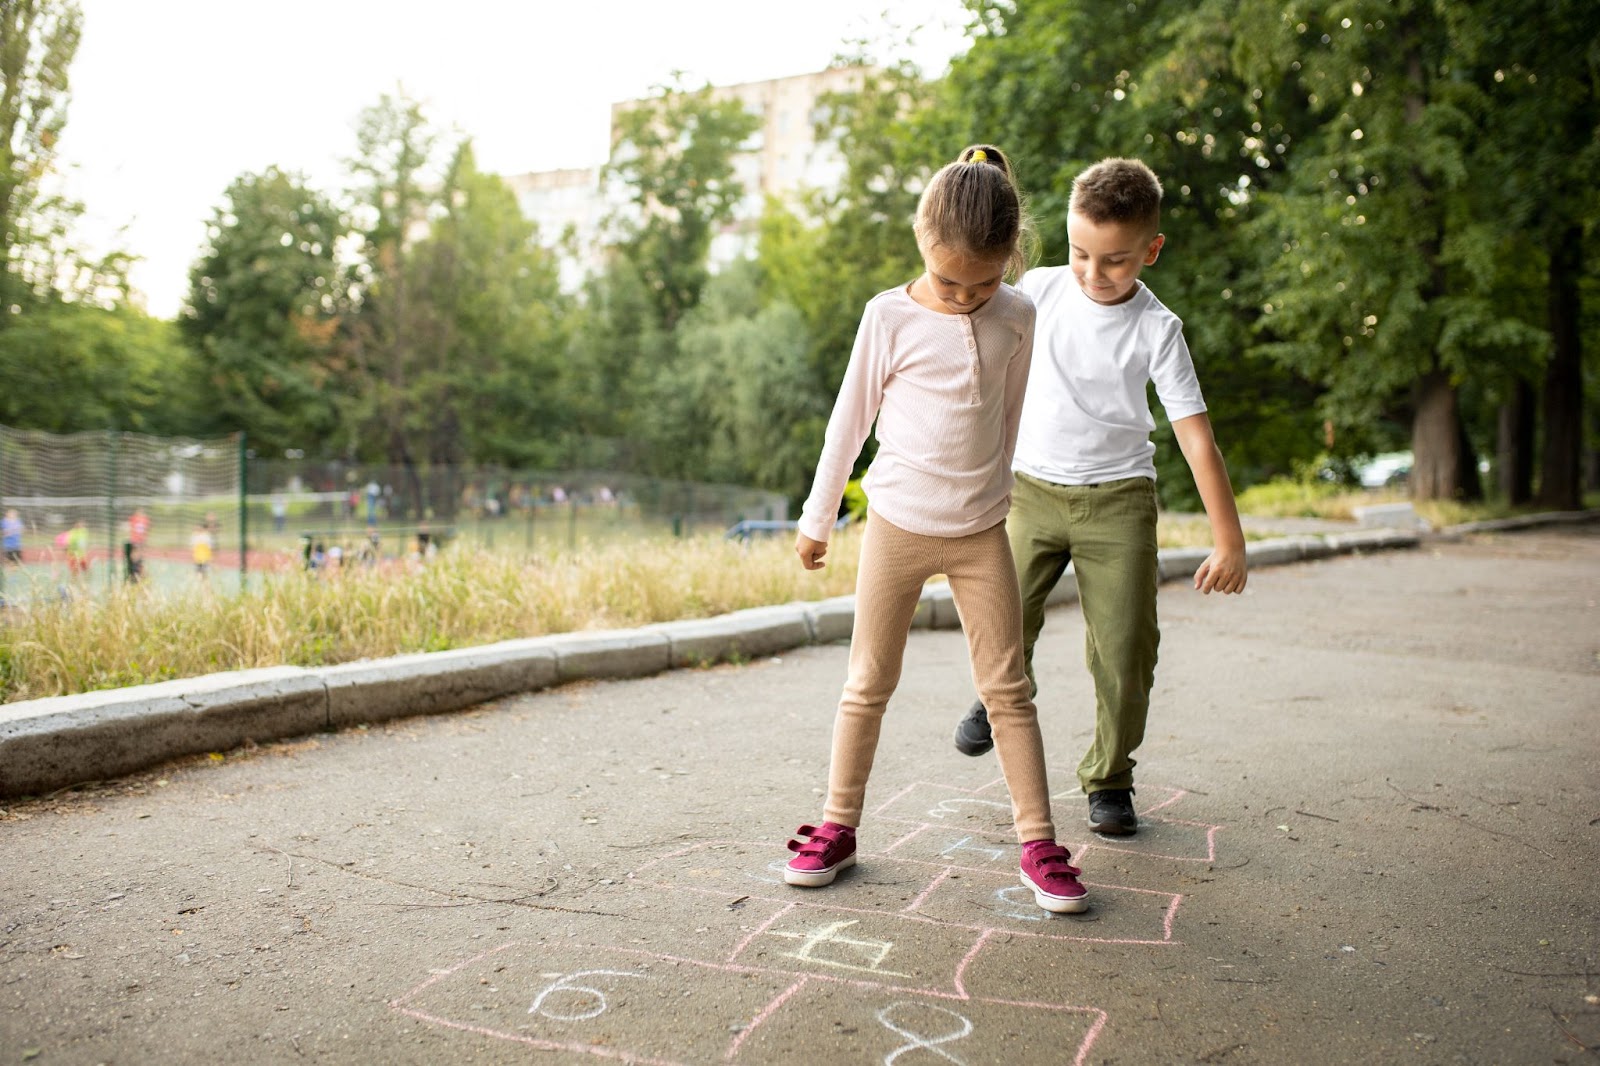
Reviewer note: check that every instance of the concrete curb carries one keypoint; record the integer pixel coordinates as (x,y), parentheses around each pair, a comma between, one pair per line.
(65,740)
(1504,525)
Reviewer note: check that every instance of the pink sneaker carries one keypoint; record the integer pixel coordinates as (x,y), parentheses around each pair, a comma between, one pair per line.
(828,849)
(1054,880)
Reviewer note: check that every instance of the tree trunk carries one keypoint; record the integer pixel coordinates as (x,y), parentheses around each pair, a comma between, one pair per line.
(1436,440)
(1467,474)
(1514,455)
(1591,456)
(1559,469)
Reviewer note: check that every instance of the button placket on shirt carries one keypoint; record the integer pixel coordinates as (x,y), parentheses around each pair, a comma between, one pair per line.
(976,369)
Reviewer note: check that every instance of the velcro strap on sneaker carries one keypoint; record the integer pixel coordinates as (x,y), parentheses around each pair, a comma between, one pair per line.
(819,840)
(1056,866)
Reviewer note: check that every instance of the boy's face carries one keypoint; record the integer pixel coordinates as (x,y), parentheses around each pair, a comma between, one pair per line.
(1107,257)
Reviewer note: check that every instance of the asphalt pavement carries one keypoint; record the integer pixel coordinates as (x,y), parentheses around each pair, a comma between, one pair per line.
(1371,831)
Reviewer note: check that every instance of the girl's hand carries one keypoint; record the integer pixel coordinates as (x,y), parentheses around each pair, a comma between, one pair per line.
(810,552)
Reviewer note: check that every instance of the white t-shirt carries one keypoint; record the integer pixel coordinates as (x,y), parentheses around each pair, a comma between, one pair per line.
(1087,419)
(946,392)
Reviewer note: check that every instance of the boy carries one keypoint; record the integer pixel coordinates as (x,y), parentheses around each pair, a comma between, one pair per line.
(11,537)
(1085,476)
(201,546)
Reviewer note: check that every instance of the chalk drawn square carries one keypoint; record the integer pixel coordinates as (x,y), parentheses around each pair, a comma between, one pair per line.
(737,876)
(985,810)
(1022,967)
(945,846)
(984,814)
(1159,837)
(903,1027)
(609,1003)
(1117,914)
(861,947)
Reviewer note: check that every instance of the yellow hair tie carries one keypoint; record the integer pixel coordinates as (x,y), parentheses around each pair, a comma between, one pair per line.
(979,156)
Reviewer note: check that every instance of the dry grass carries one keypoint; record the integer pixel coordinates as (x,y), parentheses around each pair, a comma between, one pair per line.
(1315,499)
(138,635)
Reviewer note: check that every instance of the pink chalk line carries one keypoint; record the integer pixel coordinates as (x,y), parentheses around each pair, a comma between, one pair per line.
(960,994)
(398,1004)
(976,792)
(762,928)
(766,1012)
(935,883)
(945,868)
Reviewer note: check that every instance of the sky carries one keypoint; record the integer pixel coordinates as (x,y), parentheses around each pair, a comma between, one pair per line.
(174,99)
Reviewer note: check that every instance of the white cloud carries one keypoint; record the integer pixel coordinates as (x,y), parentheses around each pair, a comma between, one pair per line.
(173,99)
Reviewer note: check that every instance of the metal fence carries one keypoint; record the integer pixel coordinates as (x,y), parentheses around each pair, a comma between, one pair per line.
(84,510)
(159,503)
(495,506)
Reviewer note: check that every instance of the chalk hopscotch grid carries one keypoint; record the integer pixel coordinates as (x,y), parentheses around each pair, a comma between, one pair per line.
(1091,843)
(786,908)
(401,1004)
(909,911)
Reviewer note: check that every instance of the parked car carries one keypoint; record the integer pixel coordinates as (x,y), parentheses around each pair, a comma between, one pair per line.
(1381,471)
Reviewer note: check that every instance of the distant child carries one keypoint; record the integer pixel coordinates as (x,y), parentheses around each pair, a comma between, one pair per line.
(11,537)
(201,547)
(1085,491)
(132,562)
(941,364)
(138,527)
(78,549)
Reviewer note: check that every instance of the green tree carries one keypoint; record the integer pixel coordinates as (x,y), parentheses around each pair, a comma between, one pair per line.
(38,39)
(264,305)
(673,153)
(615,344)
(390,336)
(493,381)
(742,411)
(1383,284)
(1060,84)
(73,354)
(70,367)
(1536,62)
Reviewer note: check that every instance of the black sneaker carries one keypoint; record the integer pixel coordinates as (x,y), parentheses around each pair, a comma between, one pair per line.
(972,735)
(1111,812)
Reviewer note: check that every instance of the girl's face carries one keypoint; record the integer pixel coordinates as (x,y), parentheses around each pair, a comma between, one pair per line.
(955,284)
(1108,256)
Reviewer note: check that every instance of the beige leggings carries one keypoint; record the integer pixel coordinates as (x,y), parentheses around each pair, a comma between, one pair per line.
(894,565)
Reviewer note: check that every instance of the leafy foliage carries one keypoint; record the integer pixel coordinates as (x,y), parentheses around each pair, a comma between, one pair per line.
(265,300)
(493,382)
(74,354)
(1376,217)
(674,155)
(69,367)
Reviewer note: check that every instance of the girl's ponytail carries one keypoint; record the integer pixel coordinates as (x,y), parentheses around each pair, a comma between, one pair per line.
(973,206)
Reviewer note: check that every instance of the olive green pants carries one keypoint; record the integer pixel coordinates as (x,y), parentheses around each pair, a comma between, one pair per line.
(1108,533)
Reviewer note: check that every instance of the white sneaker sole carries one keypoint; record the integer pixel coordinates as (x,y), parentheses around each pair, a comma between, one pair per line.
(1056,904)
(817,878)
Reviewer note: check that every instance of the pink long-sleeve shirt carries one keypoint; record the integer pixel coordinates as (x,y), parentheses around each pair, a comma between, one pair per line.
(946,391)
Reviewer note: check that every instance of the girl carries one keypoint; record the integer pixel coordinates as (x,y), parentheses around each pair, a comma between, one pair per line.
(941,365)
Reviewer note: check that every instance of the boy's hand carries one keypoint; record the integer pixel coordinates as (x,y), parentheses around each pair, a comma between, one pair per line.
(810,552)
(1224,571)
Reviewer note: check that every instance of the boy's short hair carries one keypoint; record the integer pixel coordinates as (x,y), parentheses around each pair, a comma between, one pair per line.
(1119,191)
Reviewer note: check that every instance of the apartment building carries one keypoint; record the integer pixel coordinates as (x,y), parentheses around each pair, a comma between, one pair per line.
(782,158)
